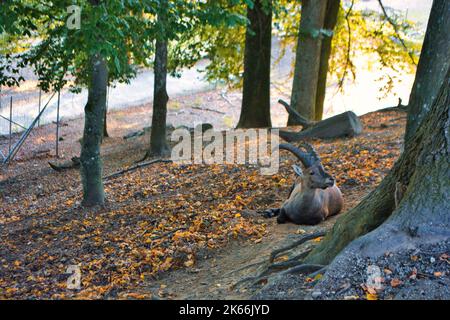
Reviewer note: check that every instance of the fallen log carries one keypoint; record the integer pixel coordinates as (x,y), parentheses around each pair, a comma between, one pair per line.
(134,167)
(341,125)
(305,123)
(71,164)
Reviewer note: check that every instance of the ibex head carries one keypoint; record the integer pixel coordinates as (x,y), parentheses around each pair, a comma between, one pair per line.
(314,175)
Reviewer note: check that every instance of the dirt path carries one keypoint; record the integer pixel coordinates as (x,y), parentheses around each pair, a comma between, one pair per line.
(215,274)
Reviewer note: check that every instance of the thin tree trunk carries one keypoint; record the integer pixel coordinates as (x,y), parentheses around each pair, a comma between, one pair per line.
(433,64)
(331,15)
(255,111)
(423,170)
(158,137)
(91,162)
(307,59)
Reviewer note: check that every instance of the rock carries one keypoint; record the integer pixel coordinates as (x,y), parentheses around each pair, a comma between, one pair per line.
(316,294)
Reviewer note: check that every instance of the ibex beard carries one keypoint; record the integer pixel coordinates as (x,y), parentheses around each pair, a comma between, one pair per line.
(258,149)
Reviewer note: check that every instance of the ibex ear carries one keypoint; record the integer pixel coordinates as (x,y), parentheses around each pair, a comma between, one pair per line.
(297,170)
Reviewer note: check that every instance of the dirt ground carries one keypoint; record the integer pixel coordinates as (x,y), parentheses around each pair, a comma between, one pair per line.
(161,234)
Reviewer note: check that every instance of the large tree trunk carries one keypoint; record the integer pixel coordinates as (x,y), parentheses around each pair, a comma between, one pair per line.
(423,214)
(255,111)
(307,60)
(433,64)
(158,137)
(91,162)
(331,15)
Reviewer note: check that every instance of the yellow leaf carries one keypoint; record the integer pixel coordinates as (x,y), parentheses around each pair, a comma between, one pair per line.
(371,296)
(189,263)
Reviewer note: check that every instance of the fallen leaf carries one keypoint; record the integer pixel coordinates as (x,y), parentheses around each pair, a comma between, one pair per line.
(395,282)
(371,296)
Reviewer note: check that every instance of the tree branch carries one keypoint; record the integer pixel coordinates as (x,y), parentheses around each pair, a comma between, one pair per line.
(392,23)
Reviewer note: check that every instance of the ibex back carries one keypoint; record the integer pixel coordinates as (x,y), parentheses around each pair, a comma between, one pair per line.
(314,195)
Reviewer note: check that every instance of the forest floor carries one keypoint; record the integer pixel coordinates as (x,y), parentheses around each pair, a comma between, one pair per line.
(166,231)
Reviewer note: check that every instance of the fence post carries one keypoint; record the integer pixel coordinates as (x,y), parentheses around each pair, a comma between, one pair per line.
(10,122)
(39,107)
(57,124)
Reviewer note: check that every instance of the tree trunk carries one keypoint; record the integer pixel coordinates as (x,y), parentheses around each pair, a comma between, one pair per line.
(433,64)
(307,60)
(331,15)
(255,111)
(422,214)
(105,128)
(158,138)
(91,163)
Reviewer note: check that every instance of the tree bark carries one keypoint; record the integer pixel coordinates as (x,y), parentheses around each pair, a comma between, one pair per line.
(433,64)
(331,15)
(105,127)
(307,60)
(422,214)
(255,110)
(158,136)
(90,159)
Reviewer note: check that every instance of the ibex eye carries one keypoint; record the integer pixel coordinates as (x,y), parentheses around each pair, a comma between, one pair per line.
(312,173)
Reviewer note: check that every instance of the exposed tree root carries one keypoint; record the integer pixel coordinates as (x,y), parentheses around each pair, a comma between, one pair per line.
(269,267)
(320,271)
(297,243)
(304,269)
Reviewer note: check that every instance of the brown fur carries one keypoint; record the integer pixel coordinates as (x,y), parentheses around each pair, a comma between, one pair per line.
(314,198)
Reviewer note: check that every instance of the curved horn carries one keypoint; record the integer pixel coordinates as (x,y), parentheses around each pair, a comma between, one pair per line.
(302,156)
(310,149)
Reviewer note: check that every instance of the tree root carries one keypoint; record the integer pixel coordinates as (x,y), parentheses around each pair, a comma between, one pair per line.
(293,265)
(305,269)
(320,271)
(297,243)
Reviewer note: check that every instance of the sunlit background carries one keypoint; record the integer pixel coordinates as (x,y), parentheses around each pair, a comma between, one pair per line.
(361,95)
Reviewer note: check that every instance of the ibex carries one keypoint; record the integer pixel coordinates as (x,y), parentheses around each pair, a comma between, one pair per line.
(314,195)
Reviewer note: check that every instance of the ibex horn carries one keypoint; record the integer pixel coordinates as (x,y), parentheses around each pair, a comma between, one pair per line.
(304,157)
(310,149)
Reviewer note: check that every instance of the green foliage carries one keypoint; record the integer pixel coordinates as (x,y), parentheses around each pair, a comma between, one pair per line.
(118,30)
(219,37)
(373,37)
(122,31)
(224,45)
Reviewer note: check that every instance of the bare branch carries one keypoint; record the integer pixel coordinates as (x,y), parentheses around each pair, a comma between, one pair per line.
(392,23)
